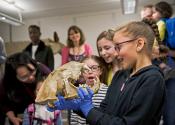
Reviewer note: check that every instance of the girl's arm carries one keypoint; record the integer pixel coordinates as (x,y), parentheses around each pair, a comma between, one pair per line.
(15,120)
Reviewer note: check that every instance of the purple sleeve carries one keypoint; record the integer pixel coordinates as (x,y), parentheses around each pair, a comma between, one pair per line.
(44,69)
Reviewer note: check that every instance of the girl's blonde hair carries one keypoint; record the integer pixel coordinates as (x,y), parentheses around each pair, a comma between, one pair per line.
(109,34)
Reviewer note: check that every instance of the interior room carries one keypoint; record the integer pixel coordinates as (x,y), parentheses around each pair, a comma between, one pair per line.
(92,16)
(57,15)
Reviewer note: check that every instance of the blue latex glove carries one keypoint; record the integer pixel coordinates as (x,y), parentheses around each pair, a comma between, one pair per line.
(63,104)
(86,100)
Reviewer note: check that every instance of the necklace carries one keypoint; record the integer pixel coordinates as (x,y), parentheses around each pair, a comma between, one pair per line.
(76,53)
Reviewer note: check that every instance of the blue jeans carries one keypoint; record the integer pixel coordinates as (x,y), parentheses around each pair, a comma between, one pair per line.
(169,107)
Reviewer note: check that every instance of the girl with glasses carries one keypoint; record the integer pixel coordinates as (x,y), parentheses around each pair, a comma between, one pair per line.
(132,98)
(97,70)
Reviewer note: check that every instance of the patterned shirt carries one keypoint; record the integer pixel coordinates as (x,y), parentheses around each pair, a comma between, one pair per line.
(77,58)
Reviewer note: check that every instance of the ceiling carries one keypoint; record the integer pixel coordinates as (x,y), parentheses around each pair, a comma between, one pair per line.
(45,8)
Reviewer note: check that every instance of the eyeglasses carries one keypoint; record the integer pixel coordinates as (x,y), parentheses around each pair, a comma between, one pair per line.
(118,45)
(26,77)
(93,68)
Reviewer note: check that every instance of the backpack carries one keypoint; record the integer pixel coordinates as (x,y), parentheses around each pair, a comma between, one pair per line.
(170,38)
(36,120)
(170,32)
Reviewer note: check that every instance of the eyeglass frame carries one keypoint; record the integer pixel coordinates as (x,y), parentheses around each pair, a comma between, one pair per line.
(117,45)
(91,69)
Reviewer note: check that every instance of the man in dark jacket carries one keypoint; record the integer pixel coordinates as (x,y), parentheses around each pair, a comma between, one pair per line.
(37,49)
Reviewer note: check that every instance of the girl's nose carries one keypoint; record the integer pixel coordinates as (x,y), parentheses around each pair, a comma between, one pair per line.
(116,53)
(103,52)
(31,78)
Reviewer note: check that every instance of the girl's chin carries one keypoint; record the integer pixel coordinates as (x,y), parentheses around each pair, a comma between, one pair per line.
(108,61)
(125,67)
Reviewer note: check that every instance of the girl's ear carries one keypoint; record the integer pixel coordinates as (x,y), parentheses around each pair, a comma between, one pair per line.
(140,44)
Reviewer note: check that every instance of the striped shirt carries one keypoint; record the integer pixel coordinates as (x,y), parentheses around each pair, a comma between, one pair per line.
(96,100)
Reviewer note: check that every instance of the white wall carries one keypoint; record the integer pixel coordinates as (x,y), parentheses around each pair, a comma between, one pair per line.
(92,25)
(5,31)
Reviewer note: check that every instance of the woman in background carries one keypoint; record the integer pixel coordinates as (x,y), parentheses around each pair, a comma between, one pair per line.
(22,74)
(76,49)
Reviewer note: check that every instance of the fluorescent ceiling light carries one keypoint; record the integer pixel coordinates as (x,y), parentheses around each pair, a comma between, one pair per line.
(129,6)
(11,5)
(10,20)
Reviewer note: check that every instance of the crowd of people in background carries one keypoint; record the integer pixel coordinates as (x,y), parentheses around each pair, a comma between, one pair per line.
(133,66)
(161,12)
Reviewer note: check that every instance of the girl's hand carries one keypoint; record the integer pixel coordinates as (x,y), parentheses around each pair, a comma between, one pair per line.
(16,120)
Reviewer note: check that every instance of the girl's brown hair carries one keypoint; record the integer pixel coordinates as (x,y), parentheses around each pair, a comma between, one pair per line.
(107,35)
(101,63)
(164,9)
(76,29)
